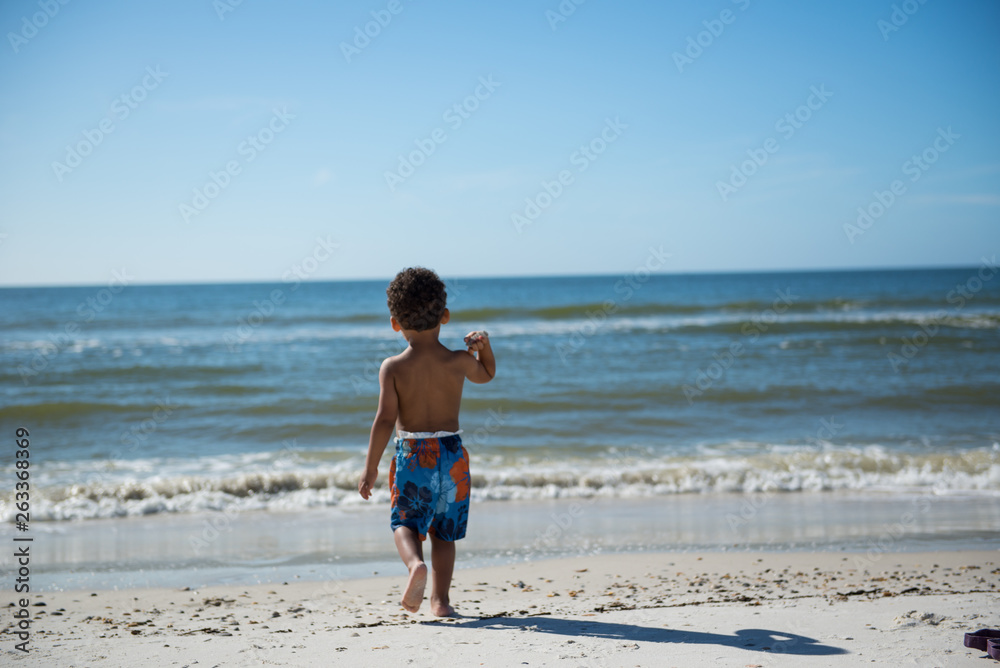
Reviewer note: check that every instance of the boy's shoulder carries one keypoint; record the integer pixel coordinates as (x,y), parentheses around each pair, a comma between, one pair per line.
(444,354)
(392,361)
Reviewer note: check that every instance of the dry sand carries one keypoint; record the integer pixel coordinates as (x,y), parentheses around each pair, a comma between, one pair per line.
(728,609)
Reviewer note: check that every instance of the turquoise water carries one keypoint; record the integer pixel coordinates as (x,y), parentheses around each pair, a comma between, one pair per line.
(143,400)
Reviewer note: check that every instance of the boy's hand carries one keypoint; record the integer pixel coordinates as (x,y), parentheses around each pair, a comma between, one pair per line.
(482,366)
(477,341)
(366,483)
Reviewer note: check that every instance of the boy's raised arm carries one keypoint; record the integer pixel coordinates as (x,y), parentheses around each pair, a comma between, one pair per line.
(385,422)
(484,365)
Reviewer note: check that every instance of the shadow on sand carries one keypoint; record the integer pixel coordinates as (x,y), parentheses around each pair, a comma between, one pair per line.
(759,640)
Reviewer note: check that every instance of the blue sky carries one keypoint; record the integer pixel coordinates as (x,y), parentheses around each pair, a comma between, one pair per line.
(662,133)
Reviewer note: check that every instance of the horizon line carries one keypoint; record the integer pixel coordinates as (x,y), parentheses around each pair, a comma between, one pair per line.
(446,277)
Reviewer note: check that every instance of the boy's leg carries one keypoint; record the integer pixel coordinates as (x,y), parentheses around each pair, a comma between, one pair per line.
(412,554)
(442,567)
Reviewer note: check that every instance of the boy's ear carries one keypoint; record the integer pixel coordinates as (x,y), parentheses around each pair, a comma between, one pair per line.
(446,316)
(396,327)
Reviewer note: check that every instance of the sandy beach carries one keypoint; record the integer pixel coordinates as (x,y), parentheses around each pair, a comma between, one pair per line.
(653,609)
(674,325)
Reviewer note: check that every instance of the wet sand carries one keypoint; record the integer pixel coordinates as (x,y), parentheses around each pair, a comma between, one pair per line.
(257,547)
(653,609)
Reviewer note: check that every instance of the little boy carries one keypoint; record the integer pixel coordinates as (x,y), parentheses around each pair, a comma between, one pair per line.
(420,392)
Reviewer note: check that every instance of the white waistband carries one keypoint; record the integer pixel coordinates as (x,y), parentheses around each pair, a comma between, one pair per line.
(427,434)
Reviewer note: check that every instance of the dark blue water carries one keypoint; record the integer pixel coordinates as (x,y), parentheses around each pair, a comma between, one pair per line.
(146,399)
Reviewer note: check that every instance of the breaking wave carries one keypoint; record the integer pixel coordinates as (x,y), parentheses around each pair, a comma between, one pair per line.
(298,481)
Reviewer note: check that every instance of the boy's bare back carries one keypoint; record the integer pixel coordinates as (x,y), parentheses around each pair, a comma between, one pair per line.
(428,385)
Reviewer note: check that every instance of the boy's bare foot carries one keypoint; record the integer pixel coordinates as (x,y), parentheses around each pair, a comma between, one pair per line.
(441,609)
(414,594)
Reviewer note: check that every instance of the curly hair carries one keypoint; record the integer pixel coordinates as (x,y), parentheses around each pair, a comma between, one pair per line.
(417,299)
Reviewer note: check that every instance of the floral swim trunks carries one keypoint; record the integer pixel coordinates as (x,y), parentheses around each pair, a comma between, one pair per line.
(429,482)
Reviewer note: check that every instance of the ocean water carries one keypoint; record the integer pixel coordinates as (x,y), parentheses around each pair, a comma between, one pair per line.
(192,399)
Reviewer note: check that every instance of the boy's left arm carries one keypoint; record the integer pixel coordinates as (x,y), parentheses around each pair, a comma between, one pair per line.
(382,427)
